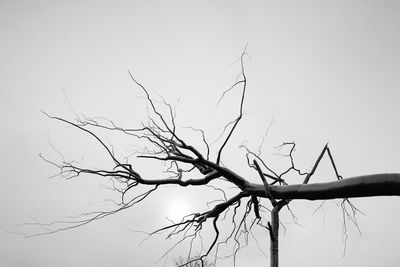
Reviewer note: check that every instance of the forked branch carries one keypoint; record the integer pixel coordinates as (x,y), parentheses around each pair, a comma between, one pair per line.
(185,166)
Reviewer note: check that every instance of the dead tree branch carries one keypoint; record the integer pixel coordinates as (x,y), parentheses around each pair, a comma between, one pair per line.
(162,143)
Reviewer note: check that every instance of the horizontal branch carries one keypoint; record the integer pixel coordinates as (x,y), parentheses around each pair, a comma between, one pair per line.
(201,181)
(217,169)
(385,184)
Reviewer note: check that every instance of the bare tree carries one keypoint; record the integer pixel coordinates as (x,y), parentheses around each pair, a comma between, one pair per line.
(244,209)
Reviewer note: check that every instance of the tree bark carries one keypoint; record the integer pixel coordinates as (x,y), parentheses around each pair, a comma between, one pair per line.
(385,184)
(274,236)
(274,233)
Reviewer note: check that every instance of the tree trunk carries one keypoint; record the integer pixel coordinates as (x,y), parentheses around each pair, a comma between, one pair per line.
(274,236)
(274,232)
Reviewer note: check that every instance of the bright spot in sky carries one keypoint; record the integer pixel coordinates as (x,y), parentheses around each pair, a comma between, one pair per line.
(177,209)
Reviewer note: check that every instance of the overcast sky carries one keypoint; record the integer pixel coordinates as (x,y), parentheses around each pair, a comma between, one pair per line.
(322,71)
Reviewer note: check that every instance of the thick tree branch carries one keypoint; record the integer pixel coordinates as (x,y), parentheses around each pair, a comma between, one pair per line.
(384,184)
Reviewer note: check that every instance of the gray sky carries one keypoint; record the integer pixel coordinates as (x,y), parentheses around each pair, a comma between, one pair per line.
(323,71)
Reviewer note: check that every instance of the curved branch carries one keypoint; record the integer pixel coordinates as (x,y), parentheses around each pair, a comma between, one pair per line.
(236,121)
